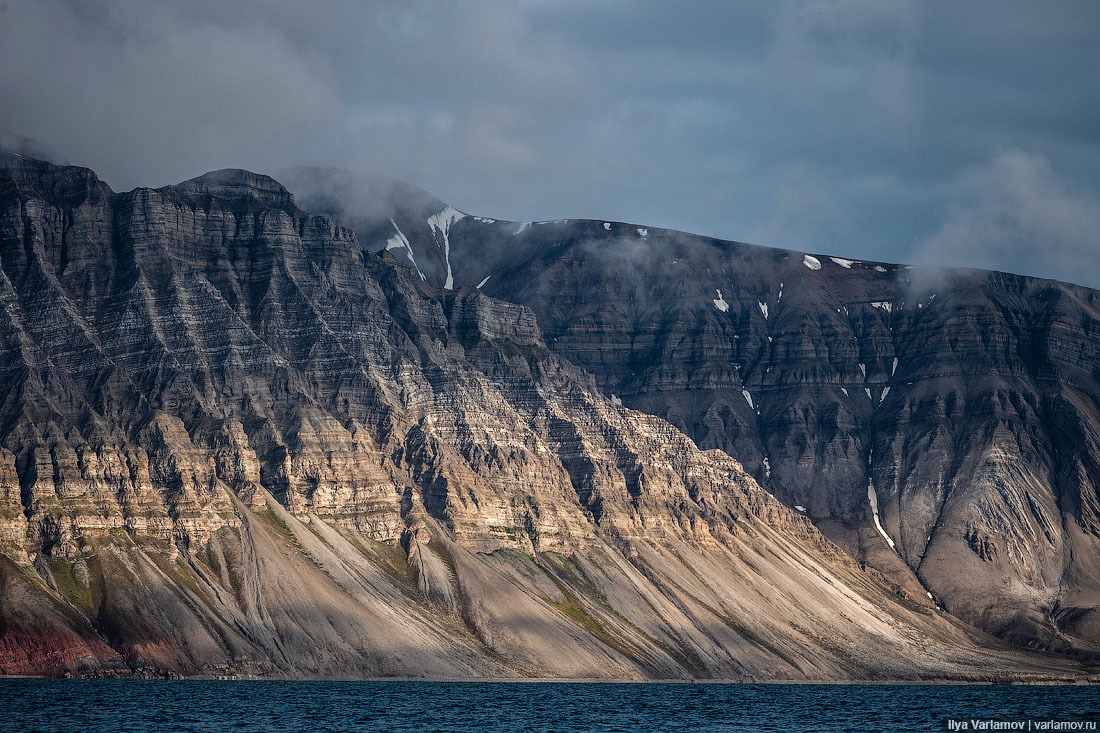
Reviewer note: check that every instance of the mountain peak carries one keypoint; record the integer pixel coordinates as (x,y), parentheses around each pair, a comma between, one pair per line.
(68,183)
(236,183)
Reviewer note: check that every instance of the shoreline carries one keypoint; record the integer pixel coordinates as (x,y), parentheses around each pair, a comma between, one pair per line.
(1089,681)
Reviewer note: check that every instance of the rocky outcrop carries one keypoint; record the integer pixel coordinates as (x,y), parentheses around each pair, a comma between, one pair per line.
(941,426)
(236,442)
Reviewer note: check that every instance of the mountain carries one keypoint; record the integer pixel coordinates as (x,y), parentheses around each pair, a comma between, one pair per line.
(234,441)
(942,426)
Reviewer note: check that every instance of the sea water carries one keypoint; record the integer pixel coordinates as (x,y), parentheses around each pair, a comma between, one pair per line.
(115,705)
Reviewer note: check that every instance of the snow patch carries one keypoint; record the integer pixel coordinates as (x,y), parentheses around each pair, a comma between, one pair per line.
(616,401)
(521,227)
(748,398)
(894,366)
(441,223)
(800,508)
(874,511)
(844,390)
(607,225)
(642,232)
(483,281)
(868,391)
(767,468)
(483,220)
(763,308)
(811,262)
(880,268)
(863,368)
(883,305)
(885,391)
(720,303)
(846,264)
(399,240)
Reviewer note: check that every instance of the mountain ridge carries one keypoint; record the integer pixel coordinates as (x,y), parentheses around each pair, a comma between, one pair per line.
(808,366)
(235,442)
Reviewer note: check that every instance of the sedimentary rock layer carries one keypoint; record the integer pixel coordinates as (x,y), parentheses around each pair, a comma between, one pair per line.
(941,425)
(236,442)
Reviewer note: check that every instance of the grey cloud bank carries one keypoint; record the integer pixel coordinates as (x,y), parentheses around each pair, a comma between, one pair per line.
(938,132)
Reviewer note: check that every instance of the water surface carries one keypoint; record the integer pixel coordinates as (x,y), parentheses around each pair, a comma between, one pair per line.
(114,705)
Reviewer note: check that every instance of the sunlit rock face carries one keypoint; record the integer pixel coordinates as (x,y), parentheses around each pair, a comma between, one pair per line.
(941,425)
(233,440)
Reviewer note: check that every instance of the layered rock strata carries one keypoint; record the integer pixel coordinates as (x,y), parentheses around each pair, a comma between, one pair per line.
(236,442)
(940,425)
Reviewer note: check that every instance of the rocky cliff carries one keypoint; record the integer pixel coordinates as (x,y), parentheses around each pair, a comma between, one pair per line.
(234,441)
(942,426)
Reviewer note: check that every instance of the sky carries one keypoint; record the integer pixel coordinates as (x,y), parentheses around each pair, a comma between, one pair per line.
(927,131)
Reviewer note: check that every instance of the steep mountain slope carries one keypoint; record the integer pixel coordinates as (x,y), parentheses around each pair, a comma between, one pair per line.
(233,441)
(943,426)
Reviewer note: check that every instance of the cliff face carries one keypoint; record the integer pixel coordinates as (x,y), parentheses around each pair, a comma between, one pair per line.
(234,441)
(942,426)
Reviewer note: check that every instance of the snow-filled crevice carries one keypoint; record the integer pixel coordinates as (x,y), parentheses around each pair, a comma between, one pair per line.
(400,241)
(441,223)
(873,499)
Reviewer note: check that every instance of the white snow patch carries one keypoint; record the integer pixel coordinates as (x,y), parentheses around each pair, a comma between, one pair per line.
(719,302)
(863,368)
(483,220)
(846,264)
(868,391)
(607,225)
(521,227)
(483,281)
(399,240)
(811,262)
(883,305)
(894,366)
(763,308)
(874,511)
(748,398)
(885,391)
(844,390)
(441,223)
(800,508)
(767,468)
(929,595)
(616,401)
(880,268)
(642,232)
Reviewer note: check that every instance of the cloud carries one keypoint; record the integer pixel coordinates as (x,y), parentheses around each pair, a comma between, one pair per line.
(829,125)
(150,95)
(1016,213)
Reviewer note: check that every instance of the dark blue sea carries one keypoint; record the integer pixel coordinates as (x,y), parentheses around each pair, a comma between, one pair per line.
(87,705)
